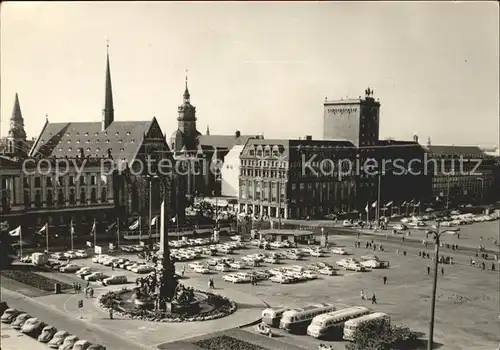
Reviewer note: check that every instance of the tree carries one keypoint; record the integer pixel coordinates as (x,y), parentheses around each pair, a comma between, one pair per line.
(7,251)
(381,335)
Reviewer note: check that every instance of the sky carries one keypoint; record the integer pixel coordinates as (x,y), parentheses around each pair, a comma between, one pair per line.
(258,67)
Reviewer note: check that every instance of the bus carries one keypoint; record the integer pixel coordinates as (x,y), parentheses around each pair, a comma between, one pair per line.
(298,319)
(351,325)
(328,323)
(272,316)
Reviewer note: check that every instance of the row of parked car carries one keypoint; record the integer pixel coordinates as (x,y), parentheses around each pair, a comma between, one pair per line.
(123,263)
(35,328)
(187,254)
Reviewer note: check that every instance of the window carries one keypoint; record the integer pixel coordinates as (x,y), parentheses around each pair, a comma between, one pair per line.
(70,149)
(72,196)
(92,180)
(50,201)
(38,199)
(93,195)
(27,199)
(71,181)
(104,195)
(37,182)
(49,182)
(128,132)
(83,197)
(26,182)
(60,198)
(82,180)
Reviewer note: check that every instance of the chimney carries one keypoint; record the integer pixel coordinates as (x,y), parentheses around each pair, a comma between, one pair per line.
(308,138)
(80,150)
(415,138)
(237,134)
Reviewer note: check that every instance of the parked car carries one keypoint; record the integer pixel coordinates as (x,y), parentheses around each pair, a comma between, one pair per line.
(100,258)
(58,339)
(143,269)
(70,268)
(339,251)
(327,271)
(81,253)
(120,261)
(33,327)
(96,347)
(70,254)
(271,260)
(237,265)
(116,279)
(355,267)
(232,278)
(9,315)
(127,249)
(81,345)
(94,276)
(221,268)
(282,279)
(68,343)
(202,269)
(317,253)
(84,271)
(110,261)
(20,320)
(47,334)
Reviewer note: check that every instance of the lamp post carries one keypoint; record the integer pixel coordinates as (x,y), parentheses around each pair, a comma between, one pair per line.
(437,235)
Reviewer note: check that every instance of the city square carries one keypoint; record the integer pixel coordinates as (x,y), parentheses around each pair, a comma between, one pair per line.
(250,176)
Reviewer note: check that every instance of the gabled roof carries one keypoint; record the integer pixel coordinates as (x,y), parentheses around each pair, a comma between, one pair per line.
(123,138)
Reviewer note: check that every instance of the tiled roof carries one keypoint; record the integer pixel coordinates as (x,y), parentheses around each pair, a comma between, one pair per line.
(123,138)
(465,150)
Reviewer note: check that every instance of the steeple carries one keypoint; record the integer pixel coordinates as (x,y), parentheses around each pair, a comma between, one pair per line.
(108,113)
(187,96)
(16,130)
(208,130)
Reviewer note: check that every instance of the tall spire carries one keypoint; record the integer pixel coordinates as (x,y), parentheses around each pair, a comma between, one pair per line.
(16,130)
(186,91)
(208,130)
(108,113)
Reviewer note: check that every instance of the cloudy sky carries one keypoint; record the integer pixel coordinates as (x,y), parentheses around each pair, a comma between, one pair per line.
(257,67)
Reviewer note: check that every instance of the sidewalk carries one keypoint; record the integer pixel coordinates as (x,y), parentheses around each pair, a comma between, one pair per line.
(152,334)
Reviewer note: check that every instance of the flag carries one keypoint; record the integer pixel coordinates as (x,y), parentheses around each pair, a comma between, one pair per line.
(403,204)
(174,219)
(72,229)
(411,202)
(153,222)
(15,232)
(43,229)
(374,204)
(389,204)
(134,226)
(366,208)
(104,179)
(417,204)
(92,230)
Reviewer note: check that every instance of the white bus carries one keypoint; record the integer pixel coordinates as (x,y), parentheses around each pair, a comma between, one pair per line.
(351,325)
(272,316)
(295,320)
(326,324)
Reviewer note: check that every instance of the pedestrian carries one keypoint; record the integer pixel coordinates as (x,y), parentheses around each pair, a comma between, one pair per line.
(427,235)
(91,292)
(88,284)
(470,262)
(112,267)
(428,270)
(86,292)
(385,279)
(442,270)
(483,265)
(374,299)
(404,252)
(374,247)
(367,244)
(363,296)
(403,238)
(419,253)
(458,235)
(111,313)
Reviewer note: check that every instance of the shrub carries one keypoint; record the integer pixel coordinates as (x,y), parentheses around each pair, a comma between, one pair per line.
(381,335)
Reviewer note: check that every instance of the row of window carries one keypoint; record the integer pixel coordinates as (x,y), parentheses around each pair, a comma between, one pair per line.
(58,181)
(263,173)
(58,198)
(263,163)
(86,134)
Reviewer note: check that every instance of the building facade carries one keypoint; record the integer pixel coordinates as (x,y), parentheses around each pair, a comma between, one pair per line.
(295,178)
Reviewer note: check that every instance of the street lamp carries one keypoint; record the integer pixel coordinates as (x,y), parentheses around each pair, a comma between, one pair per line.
(437,234)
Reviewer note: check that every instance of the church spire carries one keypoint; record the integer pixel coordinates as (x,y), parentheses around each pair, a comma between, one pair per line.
(187,96)
(16,130)
(108,113)
(208,130)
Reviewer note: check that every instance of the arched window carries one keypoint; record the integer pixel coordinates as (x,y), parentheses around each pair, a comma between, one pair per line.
(50,199)
(93,195)
(72,196)
(60,197)
(83,197)
(104,195)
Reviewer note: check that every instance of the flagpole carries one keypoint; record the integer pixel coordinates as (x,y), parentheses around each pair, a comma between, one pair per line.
(95,234)
(367,212)
(140,229)
(177,222)
(71,232)
(47,236)
(118,232)
(21,240)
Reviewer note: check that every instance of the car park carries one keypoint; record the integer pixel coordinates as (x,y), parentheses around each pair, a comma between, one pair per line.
(47,334)
(32,327)
(9,315)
